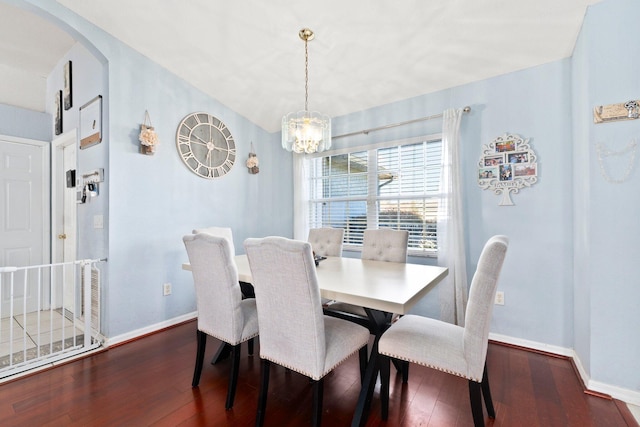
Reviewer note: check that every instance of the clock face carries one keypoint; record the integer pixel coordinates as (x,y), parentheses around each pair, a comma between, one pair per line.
(206,145)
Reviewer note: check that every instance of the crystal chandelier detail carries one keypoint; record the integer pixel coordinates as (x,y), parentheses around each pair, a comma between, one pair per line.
(306,131)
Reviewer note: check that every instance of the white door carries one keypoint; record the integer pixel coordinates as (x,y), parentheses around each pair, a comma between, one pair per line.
(24,217)
(64,219)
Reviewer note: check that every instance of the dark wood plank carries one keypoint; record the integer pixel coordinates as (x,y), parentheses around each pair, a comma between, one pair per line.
(147,382)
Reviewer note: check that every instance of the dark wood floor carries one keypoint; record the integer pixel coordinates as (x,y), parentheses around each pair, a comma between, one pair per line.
(147,382)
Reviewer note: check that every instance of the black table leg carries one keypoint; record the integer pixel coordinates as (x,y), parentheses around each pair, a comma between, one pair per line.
(223,352)
(379,323)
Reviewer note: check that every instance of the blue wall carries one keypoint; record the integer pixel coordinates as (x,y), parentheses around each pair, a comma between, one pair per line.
(570,276)
(538,301)
(25,123)
(605,68)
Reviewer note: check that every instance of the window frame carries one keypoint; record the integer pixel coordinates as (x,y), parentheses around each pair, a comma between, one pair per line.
(372,175)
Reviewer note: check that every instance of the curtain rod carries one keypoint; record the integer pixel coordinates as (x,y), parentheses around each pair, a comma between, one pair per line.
(366,131)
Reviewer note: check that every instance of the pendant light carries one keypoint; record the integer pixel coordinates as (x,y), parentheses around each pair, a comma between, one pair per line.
(306,131)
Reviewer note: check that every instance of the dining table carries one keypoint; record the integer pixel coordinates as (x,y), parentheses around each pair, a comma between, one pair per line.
(380,287)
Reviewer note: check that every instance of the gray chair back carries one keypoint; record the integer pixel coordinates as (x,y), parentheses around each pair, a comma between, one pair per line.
(218,296)
(385,244)
(480,306)
(326,241)
(288,300)
(220,232)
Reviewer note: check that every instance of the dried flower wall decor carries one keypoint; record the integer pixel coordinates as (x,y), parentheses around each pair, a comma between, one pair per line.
(252,162)
(148,136)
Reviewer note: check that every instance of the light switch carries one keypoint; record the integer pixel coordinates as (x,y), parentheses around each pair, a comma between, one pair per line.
(98,221)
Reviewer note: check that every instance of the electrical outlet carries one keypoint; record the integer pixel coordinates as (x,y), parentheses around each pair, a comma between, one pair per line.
(499,298)
(166,289)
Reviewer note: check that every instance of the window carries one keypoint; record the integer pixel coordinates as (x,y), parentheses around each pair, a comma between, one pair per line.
(394,185)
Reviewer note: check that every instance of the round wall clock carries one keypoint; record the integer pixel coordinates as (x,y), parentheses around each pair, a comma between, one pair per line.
(205,145)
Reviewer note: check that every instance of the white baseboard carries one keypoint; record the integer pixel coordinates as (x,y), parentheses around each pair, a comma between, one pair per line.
(628,396)
(118,339)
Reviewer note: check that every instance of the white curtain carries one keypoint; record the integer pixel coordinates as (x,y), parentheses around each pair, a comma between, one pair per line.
(451,246)
(300,198)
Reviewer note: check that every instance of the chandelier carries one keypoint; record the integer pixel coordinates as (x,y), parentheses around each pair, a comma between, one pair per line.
(306,131)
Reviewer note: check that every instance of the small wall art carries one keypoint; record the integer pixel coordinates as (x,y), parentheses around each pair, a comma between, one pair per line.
(148,137)
(91,123)
(252,162)
(68,87)
(57,120)
(506,165)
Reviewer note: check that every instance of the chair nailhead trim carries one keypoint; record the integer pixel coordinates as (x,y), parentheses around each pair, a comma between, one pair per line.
(430,366)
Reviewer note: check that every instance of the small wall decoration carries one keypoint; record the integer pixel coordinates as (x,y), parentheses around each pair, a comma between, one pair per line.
(68,91)
(148,136)
(252,162)
(57,120)
(91,123)
(506,165)
(629,110)
(621,162)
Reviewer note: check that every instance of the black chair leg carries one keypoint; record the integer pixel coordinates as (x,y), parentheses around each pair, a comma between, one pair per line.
(202,344)
(362,356)
(250,345)
(402,367)
(233,376)
(475,395)
(264,389)
(318,391)
(385,373)
(405,371)
(486,393)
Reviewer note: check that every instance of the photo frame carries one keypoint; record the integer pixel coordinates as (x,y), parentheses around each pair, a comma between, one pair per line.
(507,164)
(57,119)
(68,86)
(91,123)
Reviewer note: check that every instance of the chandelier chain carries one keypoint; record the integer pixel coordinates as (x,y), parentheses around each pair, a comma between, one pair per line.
(306,76)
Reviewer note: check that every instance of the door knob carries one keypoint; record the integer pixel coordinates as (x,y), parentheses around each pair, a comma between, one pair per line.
(62,236)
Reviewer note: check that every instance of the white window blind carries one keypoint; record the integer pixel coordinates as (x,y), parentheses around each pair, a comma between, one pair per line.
(391,186)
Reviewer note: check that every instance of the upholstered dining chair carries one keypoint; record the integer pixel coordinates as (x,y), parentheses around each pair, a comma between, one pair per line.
(220,232)
(383,244)
(326,241)
(451,348)
(246,288)
(222,312)
(294,333)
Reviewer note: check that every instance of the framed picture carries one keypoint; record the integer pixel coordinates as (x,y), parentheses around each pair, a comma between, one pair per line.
(502,146)
(68,88)
(57,120)
(91,123)
(493,160)
(527,169)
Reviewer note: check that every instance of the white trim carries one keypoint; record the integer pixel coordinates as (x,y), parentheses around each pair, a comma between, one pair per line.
(18,140)
(58,143)
(149,329)
(534,345)
(628,396)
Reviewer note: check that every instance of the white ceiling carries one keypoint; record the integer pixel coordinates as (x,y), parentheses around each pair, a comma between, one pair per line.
(247,54)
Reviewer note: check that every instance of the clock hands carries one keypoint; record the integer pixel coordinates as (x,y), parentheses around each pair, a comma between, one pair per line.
(201,140)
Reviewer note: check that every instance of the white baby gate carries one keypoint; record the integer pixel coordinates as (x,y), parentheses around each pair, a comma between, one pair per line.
(48,313)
